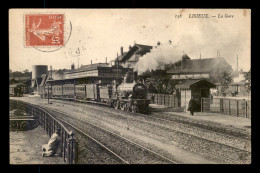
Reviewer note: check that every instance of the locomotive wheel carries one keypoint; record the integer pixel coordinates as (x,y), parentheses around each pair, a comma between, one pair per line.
(134,108)
(13,126)
(123,106)
(24,125)
(127,108)
(115,105)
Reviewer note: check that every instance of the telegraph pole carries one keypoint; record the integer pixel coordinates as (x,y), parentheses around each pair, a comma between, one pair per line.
(48,96)
(51,72)
(117,68)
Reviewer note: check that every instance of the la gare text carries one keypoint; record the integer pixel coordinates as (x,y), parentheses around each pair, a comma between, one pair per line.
(208,16)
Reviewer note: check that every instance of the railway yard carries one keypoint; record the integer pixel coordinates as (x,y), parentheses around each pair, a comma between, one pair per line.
(109,136)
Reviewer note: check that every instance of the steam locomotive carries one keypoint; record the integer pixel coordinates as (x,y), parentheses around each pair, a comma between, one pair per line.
(128,96)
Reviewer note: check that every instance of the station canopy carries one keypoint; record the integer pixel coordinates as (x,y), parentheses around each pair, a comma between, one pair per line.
(199,83)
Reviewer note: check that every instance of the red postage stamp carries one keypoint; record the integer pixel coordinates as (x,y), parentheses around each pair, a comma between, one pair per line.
(44,29)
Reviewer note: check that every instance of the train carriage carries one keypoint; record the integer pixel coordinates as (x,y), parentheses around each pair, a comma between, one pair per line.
(57,90)
(91,91)
(16,89)
(105,93)
(69,90)
(126,96)
(80,91)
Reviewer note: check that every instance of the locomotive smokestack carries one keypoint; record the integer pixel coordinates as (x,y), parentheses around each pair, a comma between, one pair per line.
(128,77)
(135,76)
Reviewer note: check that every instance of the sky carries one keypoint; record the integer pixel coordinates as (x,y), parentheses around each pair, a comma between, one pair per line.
(99,33)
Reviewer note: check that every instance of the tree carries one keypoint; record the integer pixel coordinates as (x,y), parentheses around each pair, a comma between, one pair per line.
(226,80)
(247,84)
(13,81)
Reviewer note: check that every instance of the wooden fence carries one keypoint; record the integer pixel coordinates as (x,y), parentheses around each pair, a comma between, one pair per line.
(239,108)
(49,124)
(164,99)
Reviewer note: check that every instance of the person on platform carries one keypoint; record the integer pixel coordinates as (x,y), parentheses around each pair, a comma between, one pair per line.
(152,98)
(192,106)
(53,145)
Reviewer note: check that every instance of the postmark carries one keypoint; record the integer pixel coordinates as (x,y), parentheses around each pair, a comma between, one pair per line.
(44,30)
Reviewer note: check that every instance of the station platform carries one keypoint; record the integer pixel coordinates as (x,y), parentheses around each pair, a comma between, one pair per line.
(25,147)
(210,118)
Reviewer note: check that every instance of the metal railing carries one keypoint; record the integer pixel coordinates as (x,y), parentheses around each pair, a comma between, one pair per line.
(239,108)
(164,99)
(49,124)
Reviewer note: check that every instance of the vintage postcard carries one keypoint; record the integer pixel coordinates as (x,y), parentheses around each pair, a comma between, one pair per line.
(130,86)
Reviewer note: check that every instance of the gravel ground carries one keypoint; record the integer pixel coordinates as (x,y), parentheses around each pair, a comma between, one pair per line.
(25,147)
(184,133)
(243,133)
(128,151)
(91,153)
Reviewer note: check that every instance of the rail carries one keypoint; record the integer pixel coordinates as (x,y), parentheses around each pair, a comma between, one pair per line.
(49,124)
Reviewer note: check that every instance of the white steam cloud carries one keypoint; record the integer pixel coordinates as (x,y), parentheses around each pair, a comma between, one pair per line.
(165,54)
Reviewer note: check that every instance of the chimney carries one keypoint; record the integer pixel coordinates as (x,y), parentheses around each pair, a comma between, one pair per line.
(72,66)
(121,51)
(91,61)
(106,60)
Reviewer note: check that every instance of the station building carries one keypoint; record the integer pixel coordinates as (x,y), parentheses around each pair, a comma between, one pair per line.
(208,68)
(98,73)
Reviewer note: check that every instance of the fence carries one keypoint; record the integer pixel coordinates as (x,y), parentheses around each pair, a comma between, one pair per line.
(239,108)
(164,99)
(49,124)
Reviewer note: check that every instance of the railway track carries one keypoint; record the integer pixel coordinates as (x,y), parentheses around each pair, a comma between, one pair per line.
(163,128)
(205,141)
(128,151)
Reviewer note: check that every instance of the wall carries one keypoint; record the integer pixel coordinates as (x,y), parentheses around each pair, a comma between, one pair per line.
(190,76)
(185,98)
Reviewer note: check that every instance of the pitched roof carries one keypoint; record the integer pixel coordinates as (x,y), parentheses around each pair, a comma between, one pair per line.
(137,48)
(187,84)
(197,65)
(88,67)
(121,56)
